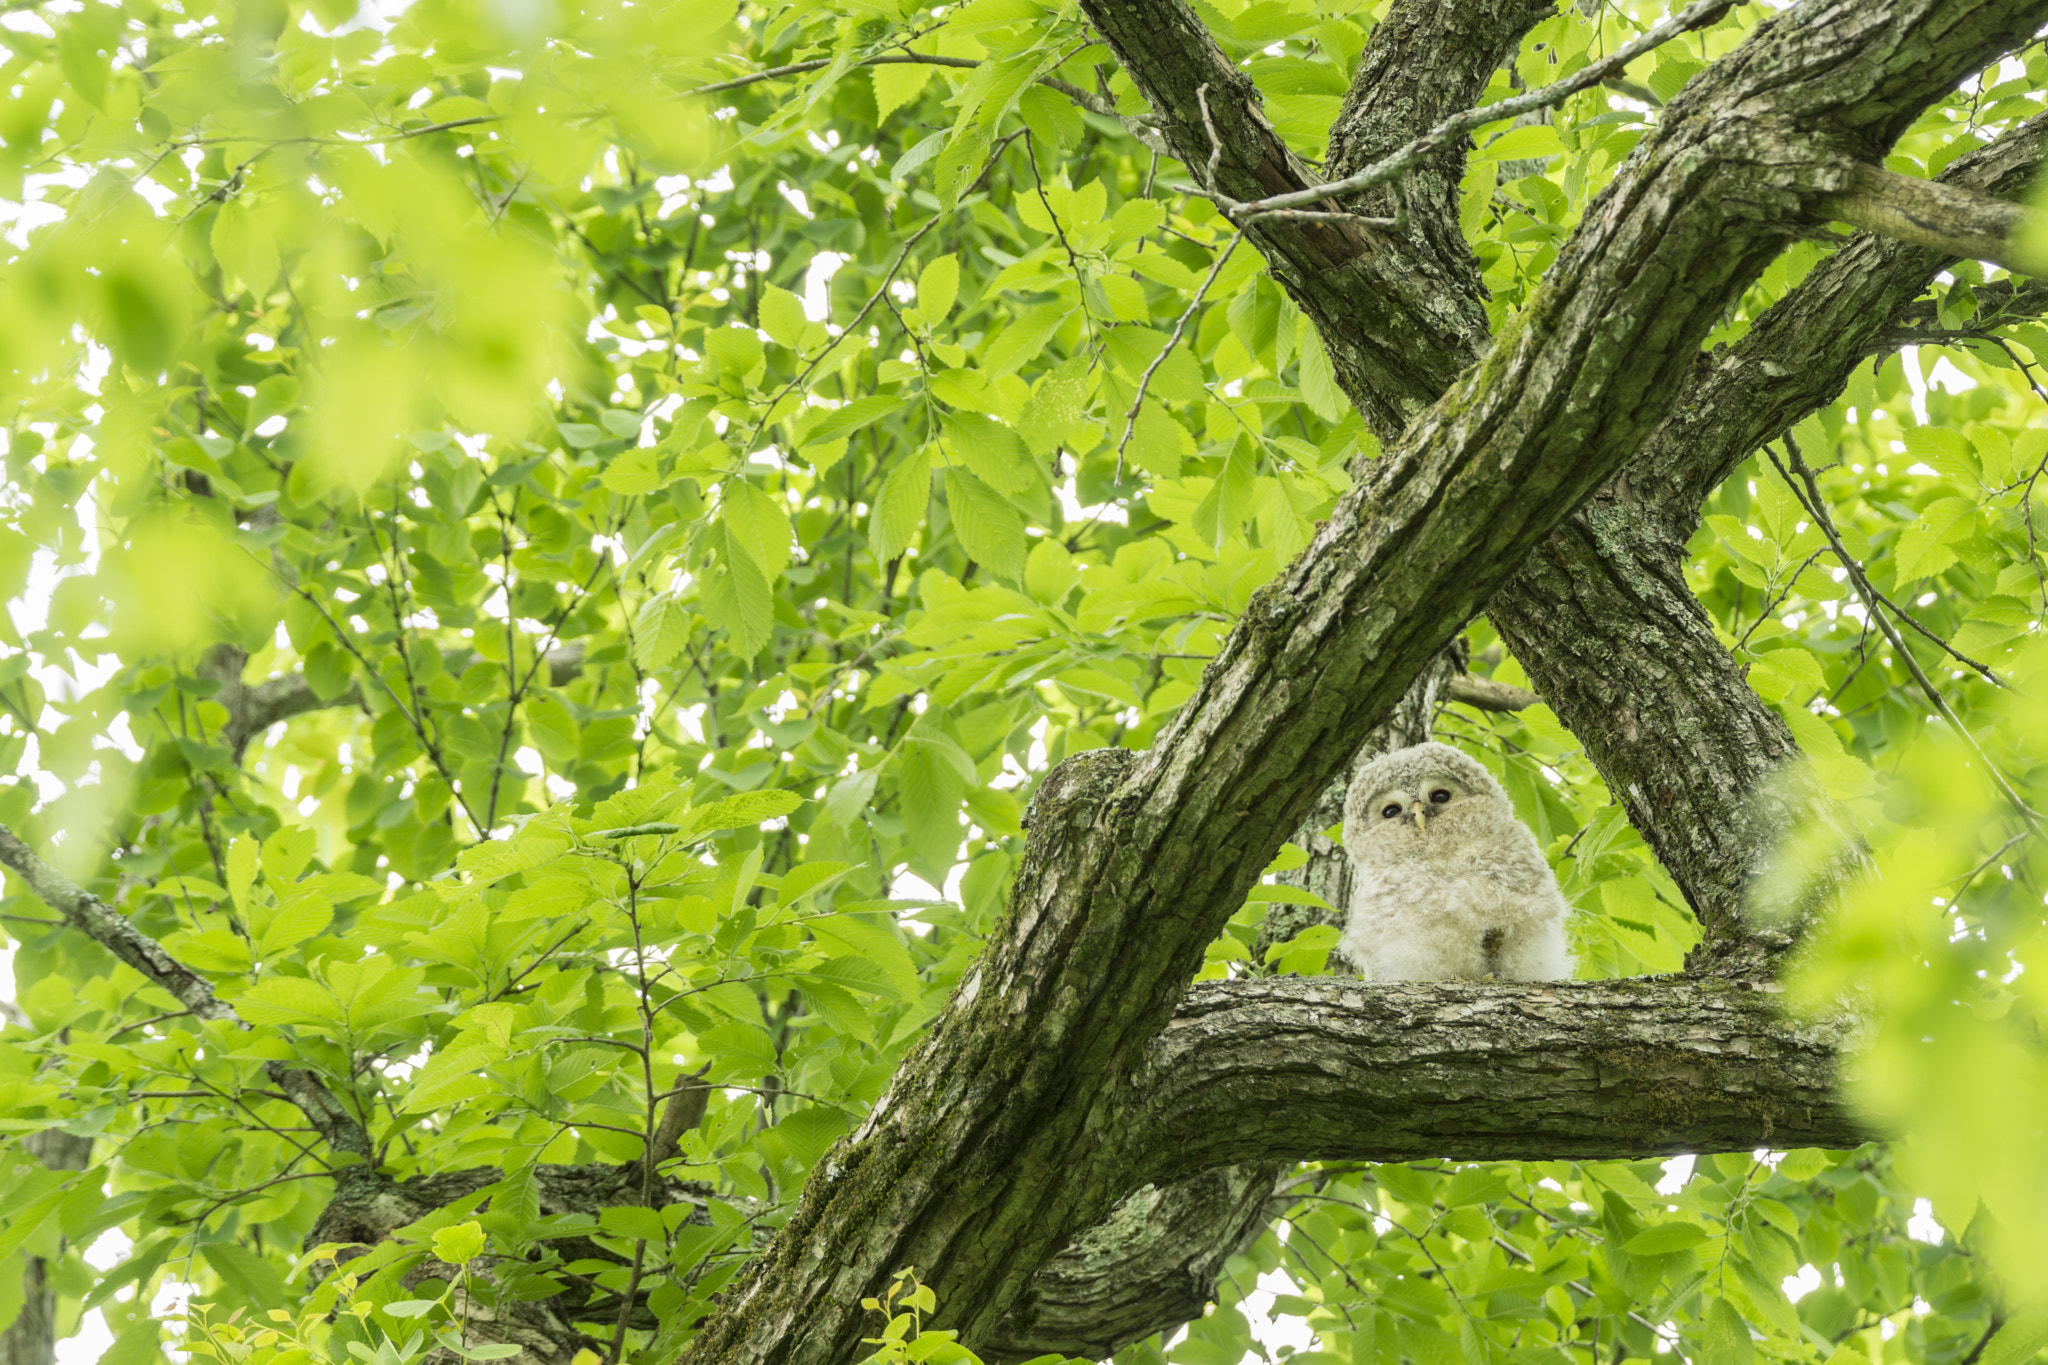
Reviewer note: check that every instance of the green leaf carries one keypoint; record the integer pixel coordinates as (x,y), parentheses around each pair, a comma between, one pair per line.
(734,593)
(1319,380)
(900,506)
(930,777)
(1520,144)
(995,453)
(460,1244)
(756,522)
(782,316)
(289,1000)
(660,630)
(873,938)
(248,1274)
(989,528)
(1662,1239)
(938,284)
(1724,1337)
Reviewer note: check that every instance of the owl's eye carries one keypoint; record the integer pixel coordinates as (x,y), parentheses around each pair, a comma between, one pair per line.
(1439,796)
(1389,811)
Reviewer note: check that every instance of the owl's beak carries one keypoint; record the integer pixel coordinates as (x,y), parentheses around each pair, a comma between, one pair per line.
(1421,814)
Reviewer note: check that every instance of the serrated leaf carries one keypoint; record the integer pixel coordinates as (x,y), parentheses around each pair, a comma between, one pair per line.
(1319,379)
(897,84)
(874,939)
(1665,1238)
(849,796)
(756,522)
(1521,144)
(660,631)
(735,596)
(938,284)
(1056,407)
(782,316)
(995,453)
(289,1000)
(1724,1336)
(900,505)
(634,472)
(931,785)
(251,1276)
(300,918)
(989,528)
(1023,339)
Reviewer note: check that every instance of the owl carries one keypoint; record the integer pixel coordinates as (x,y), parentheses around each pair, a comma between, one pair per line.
(1449,883)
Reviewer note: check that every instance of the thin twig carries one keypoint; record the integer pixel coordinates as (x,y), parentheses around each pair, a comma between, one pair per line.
(1405,158)
(888,277)
(1093,103)
(1811,499)
(1145,380)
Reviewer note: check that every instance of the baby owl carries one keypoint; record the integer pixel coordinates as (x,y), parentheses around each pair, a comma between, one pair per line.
(1450,883)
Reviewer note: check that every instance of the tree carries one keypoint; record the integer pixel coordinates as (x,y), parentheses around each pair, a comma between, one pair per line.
(547,525)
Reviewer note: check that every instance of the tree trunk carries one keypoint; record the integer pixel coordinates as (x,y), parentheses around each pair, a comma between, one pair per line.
(32,1339)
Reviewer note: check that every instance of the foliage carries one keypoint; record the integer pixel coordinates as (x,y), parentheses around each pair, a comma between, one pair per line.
(751,469)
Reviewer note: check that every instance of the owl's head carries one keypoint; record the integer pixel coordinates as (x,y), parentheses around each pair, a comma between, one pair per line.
(1414,801)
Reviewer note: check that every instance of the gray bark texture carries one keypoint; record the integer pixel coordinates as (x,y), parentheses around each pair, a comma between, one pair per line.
(1013,1127)
(32,1338)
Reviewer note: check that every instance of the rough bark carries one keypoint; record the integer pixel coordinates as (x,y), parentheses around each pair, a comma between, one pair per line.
(1153,1262)
(1320,1067)
(1942,217)
(32,1338)
(991,1148)
(1581,605)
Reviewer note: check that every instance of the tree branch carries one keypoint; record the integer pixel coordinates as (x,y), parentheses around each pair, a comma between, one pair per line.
(1942,217)
(1488,695)
(1453,130)
(1585,1070)
(255,707)
(111,930)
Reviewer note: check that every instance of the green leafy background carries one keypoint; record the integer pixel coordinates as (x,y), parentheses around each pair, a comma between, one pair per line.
(753,462)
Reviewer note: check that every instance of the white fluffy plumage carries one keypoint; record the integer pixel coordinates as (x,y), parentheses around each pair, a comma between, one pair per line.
(1449,883)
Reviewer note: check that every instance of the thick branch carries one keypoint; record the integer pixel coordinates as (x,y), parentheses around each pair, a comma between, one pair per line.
(1586,1070)
(1942,217)
(93,917)
(1152,1263)
(1797,356)
(1400,315)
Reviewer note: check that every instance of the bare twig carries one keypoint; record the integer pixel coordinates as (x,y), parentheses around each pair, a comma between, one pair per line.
(1145,380)
(1093,103)
(1406,157)
(1810,498)
(810,368)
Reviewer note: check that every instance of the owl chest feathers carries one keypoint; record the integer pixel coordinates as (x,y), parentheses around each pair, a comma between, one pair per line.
(1422,923)
(1448,883)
